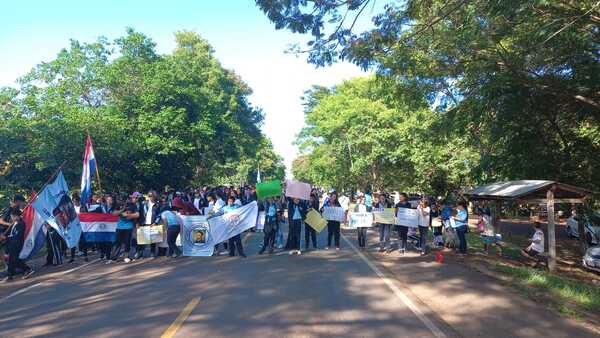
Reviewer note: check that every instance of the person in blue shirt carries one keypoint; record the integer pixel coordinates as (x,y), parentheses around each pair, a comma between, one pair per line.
(127,218)
(235,241)
(271,225)
(460,226)
(296,215)
(173,224)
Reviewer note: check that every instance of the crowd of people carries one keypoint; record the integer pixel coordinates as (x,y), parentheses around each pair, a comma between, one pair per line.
(448,222)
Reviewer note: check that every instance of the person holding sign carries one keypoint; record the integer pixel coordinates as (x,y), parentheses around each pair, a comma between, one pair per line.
(361,231)
(384,228)
(271,225)
(310,234)
(333,227)
(403,229)
(424,212)
(296,215)
(235,241)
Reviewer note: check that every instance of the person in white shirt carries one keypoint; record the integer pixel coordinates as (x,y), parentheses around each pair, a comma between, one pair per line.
(537,242)
(362,231)
(424,221)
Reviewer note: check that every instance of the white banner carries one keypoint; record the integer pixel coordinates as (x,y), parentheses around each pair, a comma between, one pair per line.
(360,220)
(334,214)
(407,217)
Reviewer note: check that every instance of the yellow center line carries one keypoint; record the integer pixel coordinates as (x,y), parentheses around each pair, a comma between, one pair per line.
(172,329)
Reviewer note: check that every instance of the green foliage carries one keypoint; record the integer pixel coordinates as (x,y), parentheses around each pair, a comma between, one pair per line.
(522,78)
(156,120)
(359,134)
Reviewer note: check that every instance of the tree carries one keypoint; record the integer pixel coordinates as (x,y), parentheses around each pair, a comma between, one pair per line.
(360,135)
(156,120)
(521,77)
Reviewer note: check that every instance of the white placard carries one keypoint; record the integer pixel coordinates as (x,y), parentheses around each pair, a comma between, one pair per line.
(360,220)
(407,217)
(334,214)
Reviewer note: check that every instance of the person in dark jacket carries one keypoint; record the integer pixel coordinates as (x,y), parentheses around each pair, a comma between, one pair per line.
(53,251)
(333,227)
(310,234)
(14,244)
(271,225)
(402,229)
(149,215)
(296,215)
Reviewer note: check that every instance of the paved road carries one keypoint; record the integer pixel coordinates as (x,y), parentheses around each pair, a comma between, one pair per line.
(319,294)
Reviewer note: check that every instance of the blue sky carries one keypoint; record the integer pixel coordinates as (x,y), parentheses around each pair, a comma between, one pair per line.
(243,38)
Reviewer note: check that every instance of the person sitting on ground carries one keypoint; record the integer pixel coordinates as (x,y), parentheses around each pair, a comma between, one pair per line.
(537,242)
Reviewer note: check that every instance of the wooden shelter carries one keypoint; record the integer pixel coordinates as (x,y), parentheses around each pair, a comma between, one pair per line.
(534,192)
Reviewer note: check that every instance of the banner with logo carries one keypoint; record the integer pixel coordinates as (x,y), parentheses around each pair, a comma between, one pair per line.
(150,234)
(201,233)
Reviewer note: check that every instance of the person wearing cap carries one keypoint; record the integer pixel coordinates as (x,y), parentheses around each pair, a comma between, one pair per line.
(14,243)
(128,215)
(149,215)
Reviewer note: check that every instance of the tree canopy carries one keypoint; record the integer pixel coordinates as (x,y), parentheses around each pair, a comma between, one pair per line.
(522,78)
(155,120)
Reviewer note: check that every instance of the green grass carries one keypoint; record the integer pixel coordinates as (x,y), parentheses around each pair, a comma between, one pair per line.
(569,295)
(511,247)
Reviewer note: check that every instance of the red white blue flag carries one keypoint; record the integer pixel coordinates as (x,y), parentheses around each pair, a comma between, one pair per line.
(98,227)
(89,166)
(35,231)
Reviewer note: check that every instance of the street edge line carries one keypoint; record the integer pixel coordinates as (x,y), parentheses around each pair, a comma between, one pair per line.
(430,325)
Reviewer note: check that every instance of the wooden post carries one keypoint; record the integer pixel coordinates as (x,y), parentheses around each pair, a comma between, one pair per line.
(551,232)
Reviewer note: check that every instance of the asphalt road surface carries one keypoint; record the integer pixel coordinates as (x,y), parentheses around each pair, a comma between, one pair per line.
(321,293)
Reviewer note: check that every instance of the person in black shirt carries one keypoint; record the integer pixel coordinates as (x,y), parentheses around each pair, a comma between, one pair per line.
(14,244)
(402,229)
(5,219)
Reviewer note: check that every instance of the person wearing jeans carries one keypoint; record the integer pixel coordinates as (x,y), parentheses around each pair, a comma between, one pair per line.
(125,225)
(173,224)
(384,229)
(403,229)
(460,226)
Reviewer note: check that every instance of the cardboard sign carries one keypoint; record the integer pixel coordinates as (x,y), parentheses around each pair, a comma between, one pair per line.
(360,220)
(407,217)
(268,189)
(314,219)
(334,214)
(150,234)
(385,216)
(297,189)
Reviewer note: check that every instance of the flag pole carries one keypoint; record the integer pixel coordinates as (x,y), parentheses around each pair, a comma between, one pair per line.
(95,159)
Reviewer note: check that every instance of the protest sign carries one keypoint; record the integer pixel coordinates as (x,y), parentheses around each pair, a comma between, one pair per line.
(334,214)
(385,216)
(295,189)
(407,217)
(360,220)
(314,219)
(268,189)
(344,202)
(150,234)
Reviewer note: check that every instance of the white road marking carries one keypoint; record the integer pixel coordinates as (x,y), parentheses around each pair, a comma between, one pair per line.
(412,306)
(18,292)
(79,267)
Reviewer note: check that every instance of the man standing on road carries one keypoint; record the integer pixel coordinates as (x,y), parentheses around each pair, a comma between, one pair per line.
(5,219)
(14,244)
(403,229)
(127,217)
(149,215)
